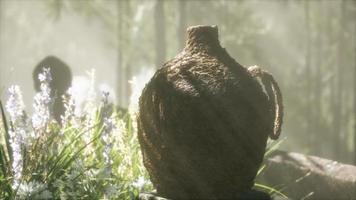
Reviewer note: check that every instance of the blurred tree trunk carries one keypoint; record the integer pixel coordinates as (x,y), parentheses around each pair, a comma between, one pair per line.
(338,108)
(160,32)
(58,4)
(329,85)
(182,23)
(1,73)
(347,112)
(128,68)
(308,103)
(119,78)
(124,70)
(354,96)
(318,76)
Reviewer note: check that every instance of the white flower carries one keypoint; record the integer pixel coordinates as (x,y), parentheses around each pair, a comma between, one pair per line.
(45,76)
(107,139)
(16,161)
(14,105)
(140,183)
(109,126)
(69,107)
(42,102)
(18,137)
(33,190)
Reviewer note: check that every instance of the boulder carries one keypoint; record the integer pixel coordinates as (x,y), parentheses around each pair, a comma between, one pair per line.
(300,176)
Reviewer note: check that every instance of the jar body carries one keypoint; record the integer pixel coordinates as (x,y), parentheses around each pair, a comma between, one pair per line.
(203,124)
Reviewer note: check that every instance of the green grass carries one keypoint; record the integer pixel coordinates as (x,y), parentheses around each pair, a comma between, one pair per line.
(67,162)
(271,146)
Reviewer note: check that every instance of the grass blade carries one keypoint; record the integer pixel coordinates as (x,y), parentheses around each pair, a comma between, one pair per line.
(6,128)
(270,190)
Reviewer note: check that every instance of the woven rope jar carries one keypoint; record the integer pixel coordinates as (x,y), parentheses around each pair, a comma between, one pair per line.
(204,121)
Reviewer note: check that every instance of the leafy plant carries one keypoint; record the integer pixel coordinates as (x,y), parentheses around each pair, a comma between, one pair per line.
(91,156)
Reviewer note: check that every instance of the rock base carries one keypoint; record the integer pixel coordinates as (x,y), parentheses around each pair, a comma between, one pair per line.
(309,177)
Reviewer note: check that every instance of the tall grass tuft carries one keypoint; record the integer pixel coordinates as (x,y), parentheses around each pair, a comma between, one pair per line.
(94,155)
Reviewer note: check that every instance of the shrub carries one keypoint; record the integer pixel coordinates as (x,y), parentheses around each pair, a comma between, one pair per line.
(94,155)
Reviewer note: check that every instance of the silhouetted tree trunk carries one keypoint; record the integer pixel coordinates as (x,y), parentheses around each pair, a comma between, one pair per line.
(160,32)
(182,23)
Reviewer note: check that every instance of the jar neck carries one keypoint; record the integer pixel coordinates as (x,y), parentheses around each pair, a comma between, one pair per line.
(202,39)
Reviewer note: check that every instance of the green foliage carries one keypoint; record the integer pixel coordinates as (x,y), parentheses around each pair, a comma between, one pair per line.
(271,146)
(67,162)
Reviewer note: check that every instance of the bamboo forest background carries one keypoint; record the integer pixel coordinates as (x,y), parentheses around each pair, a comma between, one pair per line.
(309,46)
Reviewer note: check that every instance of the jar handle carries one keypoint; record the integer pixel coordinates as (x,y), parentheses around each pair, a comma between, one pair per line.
(274,98)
